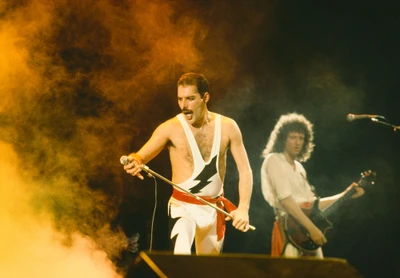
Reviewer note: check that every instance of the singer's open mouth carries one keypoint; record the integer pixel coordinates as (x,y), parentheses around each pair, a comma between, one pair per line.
(188,114)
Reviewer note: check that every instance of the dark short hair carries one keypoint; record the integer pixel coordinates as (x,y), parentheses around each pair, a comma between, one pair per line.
(196,79)
(292,122)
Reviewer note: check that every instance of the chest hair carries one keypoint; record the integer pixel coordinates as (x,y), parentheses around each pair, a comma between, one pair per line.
(204,138)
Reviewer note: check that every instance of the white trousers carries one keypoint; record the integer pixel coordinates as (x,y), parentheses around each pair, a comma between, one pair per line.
(194,223)
(293,252)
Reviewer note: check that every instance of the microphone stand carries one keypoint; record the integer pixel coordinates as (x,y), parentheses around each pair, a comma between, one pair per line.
(151,172)
(395,128)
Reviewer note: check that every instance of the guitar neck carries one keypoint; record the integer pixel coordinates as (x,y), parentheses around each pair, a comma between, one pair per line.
(334,206)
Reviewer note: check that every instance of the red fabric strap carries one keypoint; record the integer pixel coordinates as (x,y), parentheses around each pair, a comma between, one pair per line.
(277,242)
(306,205)
(221,202)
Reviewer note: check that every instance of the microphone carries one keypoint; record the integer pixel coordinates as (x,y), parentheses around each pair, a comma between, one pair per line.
(353,117)
(125,160)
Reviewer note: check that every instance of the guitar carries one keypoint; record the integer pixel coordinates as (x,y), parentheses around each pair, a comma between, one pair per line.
(298,235)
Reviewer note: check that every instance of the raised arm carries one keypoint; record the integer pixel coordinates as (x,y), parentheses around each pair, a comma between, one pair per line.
(327,201)
(151,149)
(241,215)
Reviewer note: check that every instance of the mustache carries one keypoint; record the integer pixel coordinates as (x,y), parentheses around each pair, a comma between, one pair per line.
(187,111)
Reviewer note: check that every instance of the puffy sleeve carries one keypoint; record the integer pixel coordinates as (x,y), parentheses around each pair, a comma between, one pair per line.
(274,181)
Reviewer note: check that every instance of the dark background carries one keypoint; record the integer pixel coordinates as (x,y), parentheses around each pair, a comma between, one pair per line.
(359,41)
(108,72)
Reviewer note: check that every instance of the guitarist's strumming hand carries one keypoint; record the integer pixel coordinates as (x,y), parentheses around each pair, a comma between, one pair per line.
(317,236)
(294,210)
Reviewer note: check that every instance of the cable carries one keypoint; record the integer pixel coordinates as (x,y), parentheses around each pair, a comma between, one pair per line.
(126,160)
(153,215)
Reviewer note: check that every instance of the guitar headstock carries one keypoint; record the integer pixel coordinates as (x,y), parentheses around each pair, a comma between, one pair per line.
(368,178)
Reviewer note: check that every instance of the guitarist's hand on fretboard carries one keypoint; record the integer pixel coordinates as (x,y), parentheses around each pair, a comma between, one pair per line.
(359,191)
(307,237)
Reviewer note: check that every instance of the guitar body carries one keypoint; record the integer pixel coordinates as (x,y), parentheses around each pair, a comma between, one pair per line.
(298,235)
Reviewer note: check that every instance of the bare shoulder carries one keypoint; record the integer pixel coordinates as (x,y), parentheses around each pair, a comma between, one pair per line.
(229,123)
(231,130)
(168,127)
(171,123)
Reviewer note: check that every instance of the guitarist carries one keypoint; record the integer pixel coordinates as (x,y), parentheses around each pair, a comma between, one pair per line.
(285,186)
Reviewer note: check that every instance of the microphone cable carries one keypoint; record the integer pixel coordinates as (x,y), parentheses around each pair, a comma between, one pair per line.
(153,214)
(124,161)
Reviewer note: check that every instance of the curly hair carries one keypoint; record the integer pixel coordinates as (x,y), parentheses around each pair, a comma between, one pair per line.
(291,122)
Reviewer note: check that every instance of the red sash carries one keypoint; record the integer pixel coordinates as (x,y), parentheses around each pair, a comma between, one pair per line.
(221,202)
(277,240)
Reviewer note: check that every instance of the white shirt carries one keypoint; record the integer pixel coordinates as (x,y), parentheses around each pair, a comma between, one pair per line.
(279,180)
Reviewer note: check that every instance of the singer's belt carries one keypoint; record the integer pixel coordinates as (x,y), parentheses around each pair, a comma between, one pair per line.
(220,201)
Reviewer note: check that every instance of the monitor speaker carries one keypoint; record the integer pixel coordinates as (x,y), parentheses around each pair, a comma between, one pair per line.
(164,264)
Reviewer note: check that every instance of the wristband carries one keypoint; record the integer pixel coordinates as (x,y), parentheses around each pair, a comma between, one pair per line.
(135,157)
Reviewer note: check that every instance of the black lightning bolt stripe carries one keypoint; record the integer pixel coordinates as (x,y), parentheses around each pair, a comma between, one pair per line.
(208,172)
